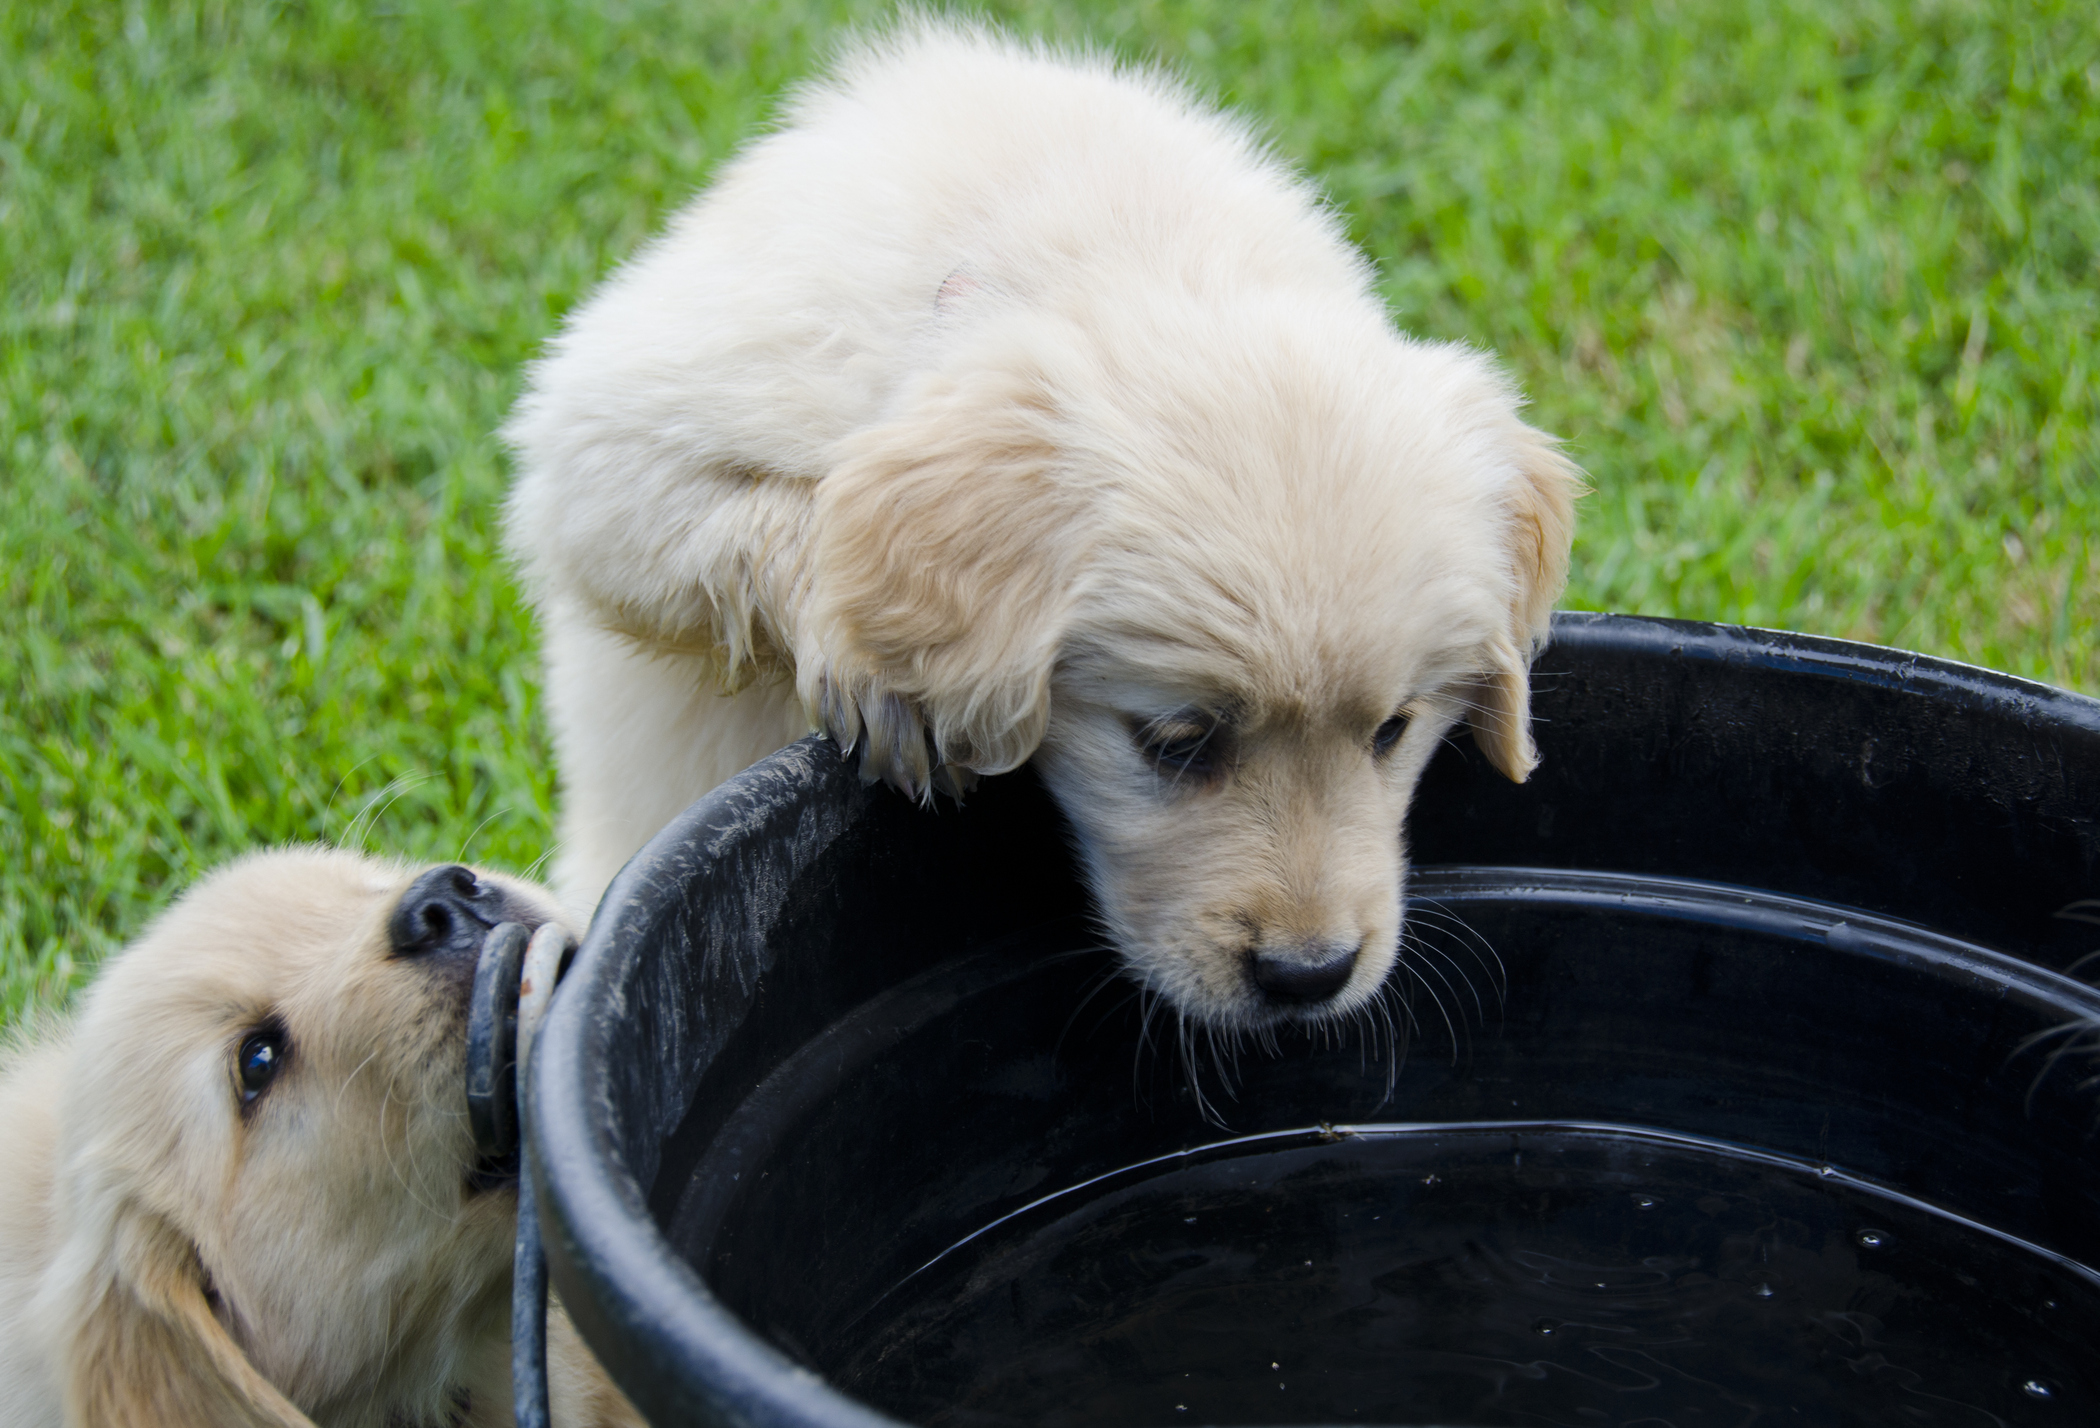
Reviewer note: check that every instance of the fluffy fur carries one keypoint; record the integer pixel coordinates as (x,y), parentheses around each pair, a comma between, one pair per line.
(171,1256)
(1005,405)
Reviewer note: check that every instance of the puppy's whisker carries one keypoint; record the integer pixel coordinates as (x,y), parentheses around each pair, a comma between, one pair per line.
(328,808)
(1396,1049)
(2076,967)
(1149,1003)
(468,841)
(1443,969)
(1138,1046)
(377,804)
(1192,1069)
(1400,1030)
(2077,1038)
(1495,718)
(1439,961)
(1108,1012)
(1483,950)
(386,1144)
(1185,1035)
(343,1089)
(1217,1061)
(1432,908)
(2049,1034)
(2084,910)
(1100,983)
(1379,1048)
(1419,941)
(1443,1012)
(1149,1006)
(409,1183)
(1073,954)
(1393,993)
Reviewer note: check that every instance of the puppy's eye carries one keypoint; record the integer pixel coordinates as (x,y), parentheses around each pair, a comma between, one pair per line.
(260,1058)
(1179,746)
(1389,734)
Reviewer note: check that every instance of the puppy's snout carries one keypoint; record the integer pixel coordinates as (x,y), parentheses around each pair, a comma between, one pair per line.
(1299,976)
(445,912)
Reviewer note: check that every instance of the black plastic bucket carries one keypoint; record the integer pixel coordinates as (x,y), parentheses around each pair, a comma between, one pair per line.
(1734,1090)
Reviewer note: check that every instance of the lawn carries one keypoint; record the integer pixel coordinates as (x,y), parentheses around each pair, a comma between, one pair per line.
(1812,289)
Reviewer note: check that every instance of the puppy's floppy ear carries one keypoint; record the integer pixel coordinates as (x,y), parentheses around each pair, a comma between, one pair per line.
(945,554)
(145,1349)
(1540,504)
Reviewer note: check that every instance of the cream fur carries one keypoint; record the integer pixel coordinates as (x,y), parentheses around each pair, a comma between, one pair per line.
(166,1259)
(1008,405)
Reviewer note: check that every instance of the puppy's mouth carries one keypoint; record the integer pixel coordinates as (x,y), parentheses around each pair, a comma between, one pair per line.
(492,1175)
(469,933)
(1241,987)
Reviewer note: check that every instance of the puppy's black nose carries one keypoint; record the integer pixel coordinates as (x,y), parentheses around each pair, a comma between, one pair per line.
(1296,976)
(446,911)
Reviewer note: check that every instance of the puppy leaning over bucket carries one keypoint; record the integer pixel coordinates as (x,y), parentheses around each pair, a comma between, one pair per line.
(1004,406)
(239,1188)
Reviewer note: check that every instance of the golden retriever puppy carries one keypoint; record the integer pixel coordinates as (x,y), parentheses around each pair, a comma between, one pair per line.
(239,1188)
(1003,405)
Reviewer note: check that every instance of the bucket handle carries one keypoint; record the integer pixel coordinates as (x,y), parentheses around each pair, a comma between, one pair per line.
(514,979)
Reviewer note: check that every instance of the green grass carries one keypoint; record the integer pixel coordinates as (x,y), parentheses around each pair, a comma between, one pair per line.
(1811,289)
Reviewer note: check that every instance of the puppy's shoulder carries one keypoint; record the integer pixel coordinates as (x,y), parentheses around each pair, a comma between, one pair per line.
(32,1082)
(32,1078)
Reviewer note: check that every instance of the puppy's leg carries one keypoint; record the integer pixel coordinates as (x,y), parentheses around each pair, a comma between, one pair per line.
(579,1395)
(639,735)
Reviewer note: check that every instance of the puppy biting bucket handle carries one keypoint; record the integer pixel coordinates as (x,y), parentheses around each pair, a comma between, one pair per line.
(514,979)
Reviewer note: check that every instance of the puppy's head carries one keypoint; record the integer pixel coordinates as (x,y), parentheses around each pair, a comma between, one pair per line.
(1229,576)
(269,1181)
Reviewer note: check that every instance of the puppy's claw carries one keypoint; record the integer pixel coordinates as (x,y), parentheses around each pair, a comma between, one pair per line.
(838,715)
(954,780)
(896,749)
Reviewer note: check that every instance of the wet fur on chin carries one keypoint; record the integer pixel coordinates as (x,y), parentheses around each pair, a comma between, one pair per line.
(168,1257)
(1004,406)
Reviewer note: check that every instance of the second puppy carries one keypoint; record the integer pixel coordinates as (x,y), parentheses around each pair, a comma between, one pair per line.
(240,1188)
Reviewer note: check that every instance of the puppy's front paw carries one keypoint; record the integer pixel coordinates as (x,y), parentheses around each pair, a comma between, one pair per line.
(891,736)
(894,746)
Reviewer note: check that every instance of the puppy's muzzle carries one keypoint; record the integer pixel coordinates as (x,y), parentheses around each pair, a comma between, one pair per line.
(446,913)
(1303,976)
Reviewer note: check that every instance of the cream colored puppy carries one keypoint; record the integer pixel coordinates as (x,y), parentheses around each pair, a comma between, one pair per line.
(240,1189)
(1004,405)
